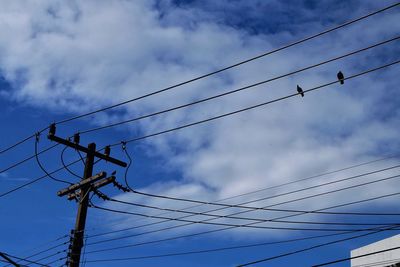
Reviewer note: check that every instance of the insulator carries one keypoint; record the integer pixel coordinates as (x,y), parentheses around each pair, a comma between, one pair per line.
(52,129)
(77,138)
(107,150)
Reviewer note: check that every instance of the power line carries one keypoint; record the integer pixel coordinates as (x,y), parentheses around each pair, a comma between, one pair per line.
(379,263)
(16,144)
(213,72)
(45,250)
(242,218)
(51,255)
(252,107)
(65,166)
(217,96)
(268,188)
(233,65)
(219,249)
(45,245)
(249,207)
(228,228)
(56,260)
(356,257)
(315,247)
(8,259)
(241,88)
(257,200)
(26,260)
(252,201)
(223,224)
(43,169)
(27,159)
(242,110)
(305,212)
(211,119)
(35,180)
(278,185)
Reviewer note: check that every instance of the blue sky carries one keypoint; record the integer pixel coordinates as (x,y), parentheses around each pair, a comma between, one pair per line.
(59,59)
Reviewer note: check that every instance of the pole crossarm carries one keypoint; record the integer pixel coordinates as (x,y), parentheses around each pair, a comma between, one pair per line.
(76,146)
(83,182)
(103,182)
(93,187)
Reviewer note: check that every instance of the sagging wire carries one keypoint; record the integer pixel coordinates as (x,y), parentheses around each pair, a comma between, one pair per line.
(80,155)
(65,166)
(37,137)
(124,148)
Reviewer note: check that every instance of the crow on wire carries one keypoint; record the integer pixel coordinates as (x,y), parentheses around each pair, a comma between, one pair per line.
(340,77)
(300,91)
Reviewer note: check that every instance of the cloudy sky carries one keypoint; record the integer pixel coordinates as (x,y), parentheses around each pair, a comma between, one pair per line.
(59,59)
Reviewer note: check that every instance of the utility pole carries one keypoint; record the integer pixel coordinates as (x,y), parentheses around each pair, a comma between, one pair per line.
(85,186)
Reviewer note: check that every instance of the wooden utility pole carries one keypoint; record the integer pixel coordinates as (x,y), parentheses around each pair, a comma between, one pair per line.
(85,186)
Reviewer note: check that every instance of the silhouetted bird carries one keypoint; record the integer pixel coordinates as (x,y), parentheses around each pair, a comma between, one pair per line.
(300,91)
(340,77)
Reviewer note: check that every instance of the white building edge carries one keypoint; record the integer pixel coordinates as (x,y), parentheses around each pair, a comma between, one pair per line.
(383,259)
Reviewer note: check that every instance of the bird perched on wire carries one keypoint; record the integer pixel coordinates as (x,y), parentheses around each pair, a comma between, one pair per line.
(340,77)
(300,91)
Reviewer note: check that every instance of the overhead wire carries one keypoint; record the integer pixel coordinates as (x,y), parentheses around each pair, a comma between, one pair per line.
(244,218)
(224,224)
(56,260)
(214,118)
(379,263)
(207,99)
(43,169)
(241,212)
(280,185)
(219,249)
(213,97)
(65,166)
(326,31)
(207,213)
(349,178)
(305,212)
(45,250)
(16,164)
(315,247)
(357,256)
(234,65)
(252,107)
(35,180)
(274,186)
(26,260)
(167,197)
(185,236)
(242,88)
(51,255)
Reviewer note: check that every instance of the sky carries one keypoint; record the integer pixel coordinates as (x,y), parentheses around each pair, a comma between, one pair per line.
(59,59)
